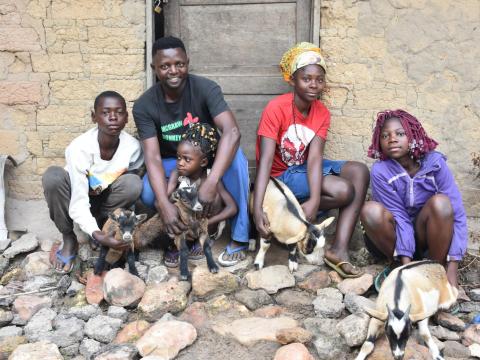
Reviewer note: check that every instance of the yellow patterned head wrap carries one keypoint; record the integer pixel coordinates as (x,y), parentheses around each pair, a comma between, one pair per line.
(301,55)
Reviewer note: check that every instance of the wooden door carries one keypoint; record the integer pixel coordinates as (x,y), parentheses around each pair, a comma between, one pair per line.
(238,44)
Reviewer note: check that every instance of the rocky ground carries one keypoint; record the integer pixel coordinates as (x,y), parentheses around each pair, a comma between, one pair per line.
(238,313)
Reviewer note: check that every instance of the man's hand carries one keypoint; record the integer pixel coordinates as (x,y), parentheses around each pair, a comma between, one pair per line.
(262,224)
(206,196)
(110,241)
(310,209)
(169,214)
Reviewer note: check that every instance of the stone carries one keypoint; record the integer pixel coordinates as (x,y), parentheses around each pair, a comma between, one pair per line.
(8,344)
(116,352)
(70,351)
(293,335)
(357,304)
(328,342)
(117,312)
(294,351)
(102,328)
(8,331)
(474,294)
(3,265)
(132,332)
(88,347)
(17,39)
(270,311)
(75,288)
(165,297)
(195,314)
(253,299)
(471,335)
(358,286)
(329,303)
(166,339)
(303,271)
(120,288)
(67,332)
(205,284)
(40,324)
(472,306)
(5,317)
(315,281)
(449,321)
(39,350)
(248,331)
(157,274)
(354,328)
(37,263)
(455,350)
(151,257)
(26,243)
(4,243)
(443,334)
(474,350)
(94,288)
(27,305)
(271,278)
(297,301)
(85,312)
(38,282)
(20,93)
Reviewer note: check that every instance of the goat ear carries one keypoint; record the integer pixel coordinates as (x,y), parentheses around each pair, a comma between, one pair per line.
(376,314)
(113,216)
(325,223)
(132,208)
(141,218)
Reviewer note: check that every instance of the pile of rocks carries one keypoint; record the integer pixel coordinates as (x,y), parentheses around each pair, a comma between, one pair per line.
(239,312)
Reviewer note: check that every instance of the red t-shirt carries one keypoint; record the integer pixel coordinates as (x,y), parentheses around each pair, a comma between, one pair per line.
(277,123)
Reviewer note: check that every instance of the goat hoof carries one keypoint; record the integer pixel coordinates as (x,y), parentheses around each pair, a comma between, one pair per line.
(292,266)
(214,270)
(184,277)
(258,266)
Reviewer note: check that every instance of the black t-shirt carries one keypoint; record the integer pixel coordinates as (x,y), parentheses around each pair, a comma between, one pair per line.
(201,98)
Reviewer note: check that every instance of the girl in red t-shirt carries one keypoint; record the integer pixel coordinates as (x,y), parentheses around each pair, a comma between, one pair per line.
(290,143)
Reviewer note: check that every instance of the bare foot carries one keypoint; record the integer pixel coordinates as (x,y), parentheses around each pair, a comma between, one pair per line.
(336,256)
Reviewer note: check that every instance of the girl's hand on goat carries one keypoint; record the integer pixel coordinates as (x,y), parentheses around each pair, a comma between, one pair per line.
(310,209)
(262,224)
(206,195)
(110,241)
(169,214)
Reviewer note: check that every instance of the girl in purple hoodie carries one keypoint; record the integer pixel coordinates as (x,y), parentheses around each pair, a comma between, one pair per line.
(417,208)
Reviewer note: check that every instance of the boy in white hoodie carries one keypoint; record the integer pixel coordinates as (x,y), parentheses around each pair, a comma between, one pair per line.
(99,176)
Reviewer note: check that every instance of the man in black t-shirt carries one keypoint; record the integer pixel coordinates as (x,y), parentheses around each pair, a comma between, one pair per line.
(162,114)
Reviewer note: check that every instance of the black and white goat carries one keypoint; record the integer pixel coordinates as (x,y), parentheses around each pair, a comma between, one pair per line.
(410,294)
(289,226)
(122,222)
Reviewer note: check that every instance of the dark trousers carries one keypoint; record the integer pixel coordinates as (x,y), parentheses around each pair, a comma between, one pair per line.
(123,192)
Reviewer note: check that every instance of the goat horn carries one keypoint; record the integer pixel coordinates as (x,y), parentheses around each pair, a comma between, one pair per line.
(376,314)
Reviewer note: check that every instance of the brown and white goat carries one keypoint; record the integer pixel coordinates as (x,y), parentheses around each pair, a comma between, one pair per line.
(289,226)
(410,294)
(122,222)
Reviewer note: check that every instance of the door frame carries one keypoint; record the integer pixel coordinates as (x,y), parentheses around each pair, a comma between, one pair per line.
(149,31)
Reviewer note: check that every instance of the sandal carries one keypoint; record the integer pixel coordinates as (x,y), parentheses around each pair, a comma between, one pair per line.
(171,258)
(229,251)
(337,267)
(66,260)
(196,252)
(380,278)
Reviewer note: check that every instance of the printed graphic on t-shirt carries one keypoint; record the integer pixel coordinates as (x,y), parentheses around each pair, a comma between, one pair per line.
(99,182)
(294,143)
(189,119)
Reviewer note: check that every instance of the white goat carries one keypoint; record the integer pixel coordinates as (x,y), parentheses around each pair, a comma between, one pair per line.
(410,294)
(288,225)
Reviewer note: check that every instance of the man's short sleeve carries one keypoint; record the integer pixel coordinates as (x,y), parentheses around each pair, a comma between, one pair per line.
(215,101)
(143,117)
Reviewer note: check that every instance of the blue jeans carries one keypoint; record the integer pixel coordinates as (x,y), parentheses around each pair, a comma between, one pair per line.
(236,181)
(295,177)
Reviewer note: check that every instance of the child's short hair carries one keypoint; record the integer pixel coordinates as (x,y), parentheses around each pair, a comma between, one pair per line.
(205,137)
(167,42)
(418,140)
(109,93)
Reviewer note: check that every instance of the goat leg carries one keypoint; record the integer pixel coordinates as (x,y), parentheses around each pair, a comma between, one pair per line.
(292,257)
(100,264)
(260,258)
(374,328)
(181,244)
(207,250)
(131,263)
(427,338)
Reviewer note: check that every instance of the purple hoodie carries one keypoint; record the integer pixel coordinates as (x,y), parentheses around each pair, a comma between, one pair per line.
(404,197)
